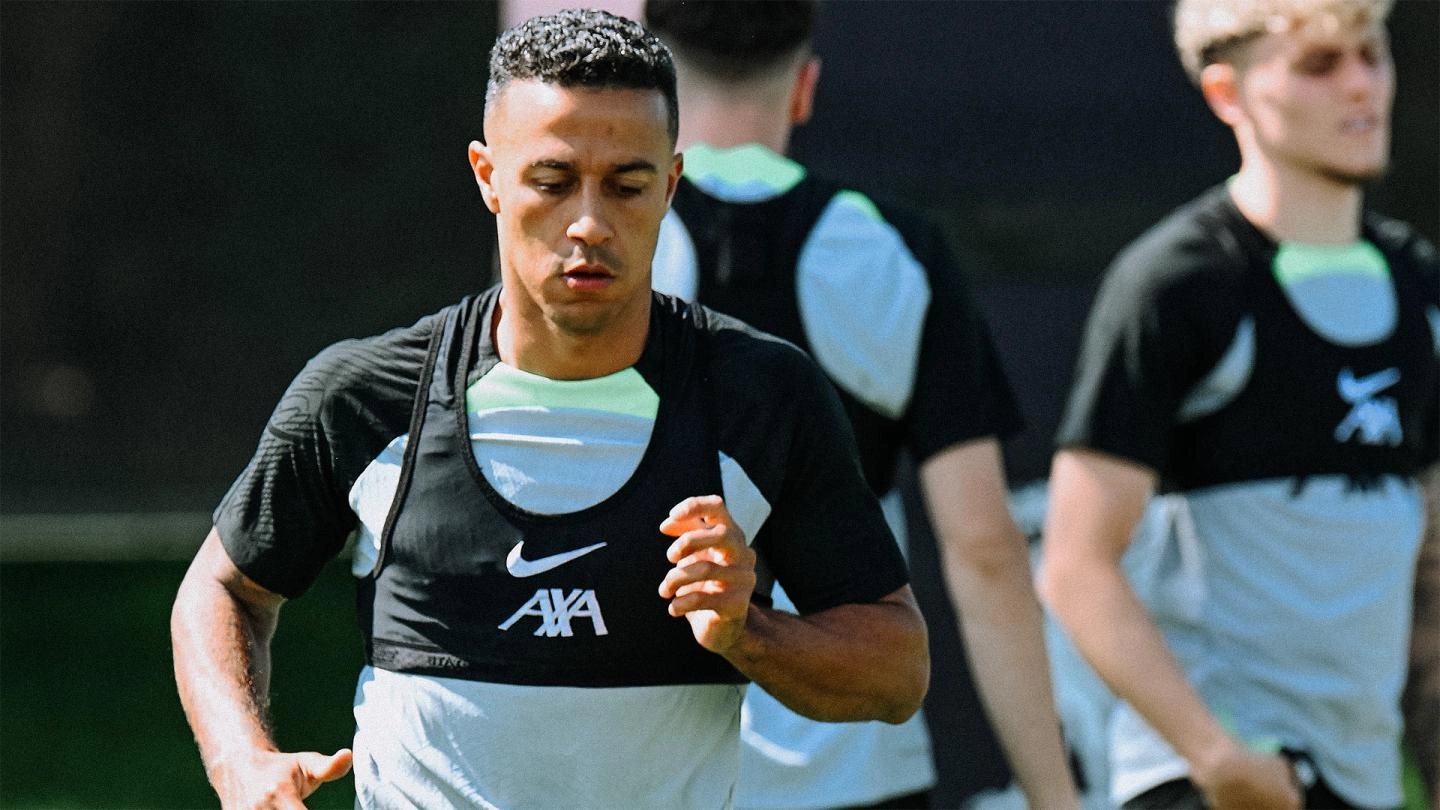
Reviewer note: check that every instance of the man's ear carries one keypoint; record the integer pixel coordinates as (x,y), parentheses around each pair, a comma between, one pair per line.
(1220,85)
(677,168)
(484,171)
(802,94)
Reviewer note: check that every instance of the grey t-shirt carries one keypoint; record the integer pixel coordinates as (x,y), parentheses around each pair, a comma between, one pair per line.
(1287,395)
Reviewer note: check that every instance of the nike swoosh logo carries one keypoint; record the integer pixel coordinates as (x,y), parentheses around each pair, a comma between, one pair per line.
(1353,390)
(518,566)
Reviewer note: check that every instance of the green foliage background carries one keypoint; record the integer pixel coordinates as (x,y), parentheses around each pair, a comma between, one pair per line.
(90,714)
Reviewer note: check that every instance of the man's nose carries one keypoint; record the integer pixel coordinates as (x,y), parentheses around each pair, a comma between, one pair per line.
(589,224)
(1362,77)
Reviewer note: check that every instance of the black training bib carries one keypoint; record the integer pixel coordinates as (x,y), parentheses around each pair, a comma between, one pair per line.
(470,586)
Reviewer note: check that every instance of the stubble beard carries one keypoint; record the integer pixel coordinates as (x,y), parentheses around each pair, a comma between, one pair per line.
(589,320)
(582,325)
(1354,177)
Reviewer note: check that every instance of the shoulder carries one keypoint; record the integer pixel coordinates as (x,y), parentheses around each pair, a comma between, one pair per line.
(851,220)
(878,248)
(1195,254)
(863,249)
(748,368)
(885,223)
(738,350)
(1405,248)
(362,377)
(1397,237)
(763,391)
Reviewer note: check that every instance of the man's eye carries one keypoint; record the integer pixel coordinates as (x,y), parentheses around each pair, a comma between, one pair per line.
(1319,64)
(629,191)
(551,186)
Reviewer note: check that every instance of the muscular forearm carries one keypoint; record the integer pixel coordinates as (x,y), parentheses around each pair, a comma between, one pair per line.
(867,661)
(222,664)
(221,628)
(852,662)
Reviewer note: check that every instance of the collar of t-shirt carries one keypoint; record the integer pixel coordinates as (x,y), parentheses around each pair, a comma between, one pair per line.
(747,173)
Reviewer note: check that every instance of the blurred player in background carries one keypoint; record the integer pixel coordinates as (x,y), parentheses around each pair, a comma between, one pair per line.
(1265,358)
(874,295)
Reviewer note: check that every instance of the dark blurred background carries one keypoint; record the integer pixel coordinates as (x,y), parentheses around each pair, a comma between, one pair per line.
(197,197)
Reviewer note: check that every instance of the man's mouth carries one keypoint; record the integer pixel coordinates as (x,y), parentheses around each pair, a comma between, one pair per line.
(1360,124)
(586,271)
(587,277)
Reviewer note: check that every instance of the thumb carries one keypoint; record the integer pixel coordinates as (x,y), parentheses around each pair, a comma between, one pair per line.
(319,768)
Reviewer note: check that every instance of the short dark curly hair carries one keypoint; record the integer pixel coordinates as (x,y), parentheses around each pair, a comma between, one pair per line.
(585,48)
(733,40)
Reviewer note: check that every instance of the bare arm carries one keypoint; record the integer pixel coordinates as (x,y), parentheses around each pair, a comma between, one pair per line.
(220,628)
(1422,690)
(1095,503)
(851,662)
(987,573)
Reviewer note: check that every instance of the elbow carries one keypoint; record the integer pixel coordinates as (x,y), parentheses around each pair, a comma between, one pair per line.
(898,693)
(1050,584)
(994,554)
(907,703)
(900,714)
(912,681)
(1063,587)
(894,703)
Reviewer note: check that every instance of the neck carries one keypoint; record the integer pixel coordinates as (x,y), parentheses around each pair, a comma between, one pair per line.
(1297,205)
(725,116)
(540,346)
